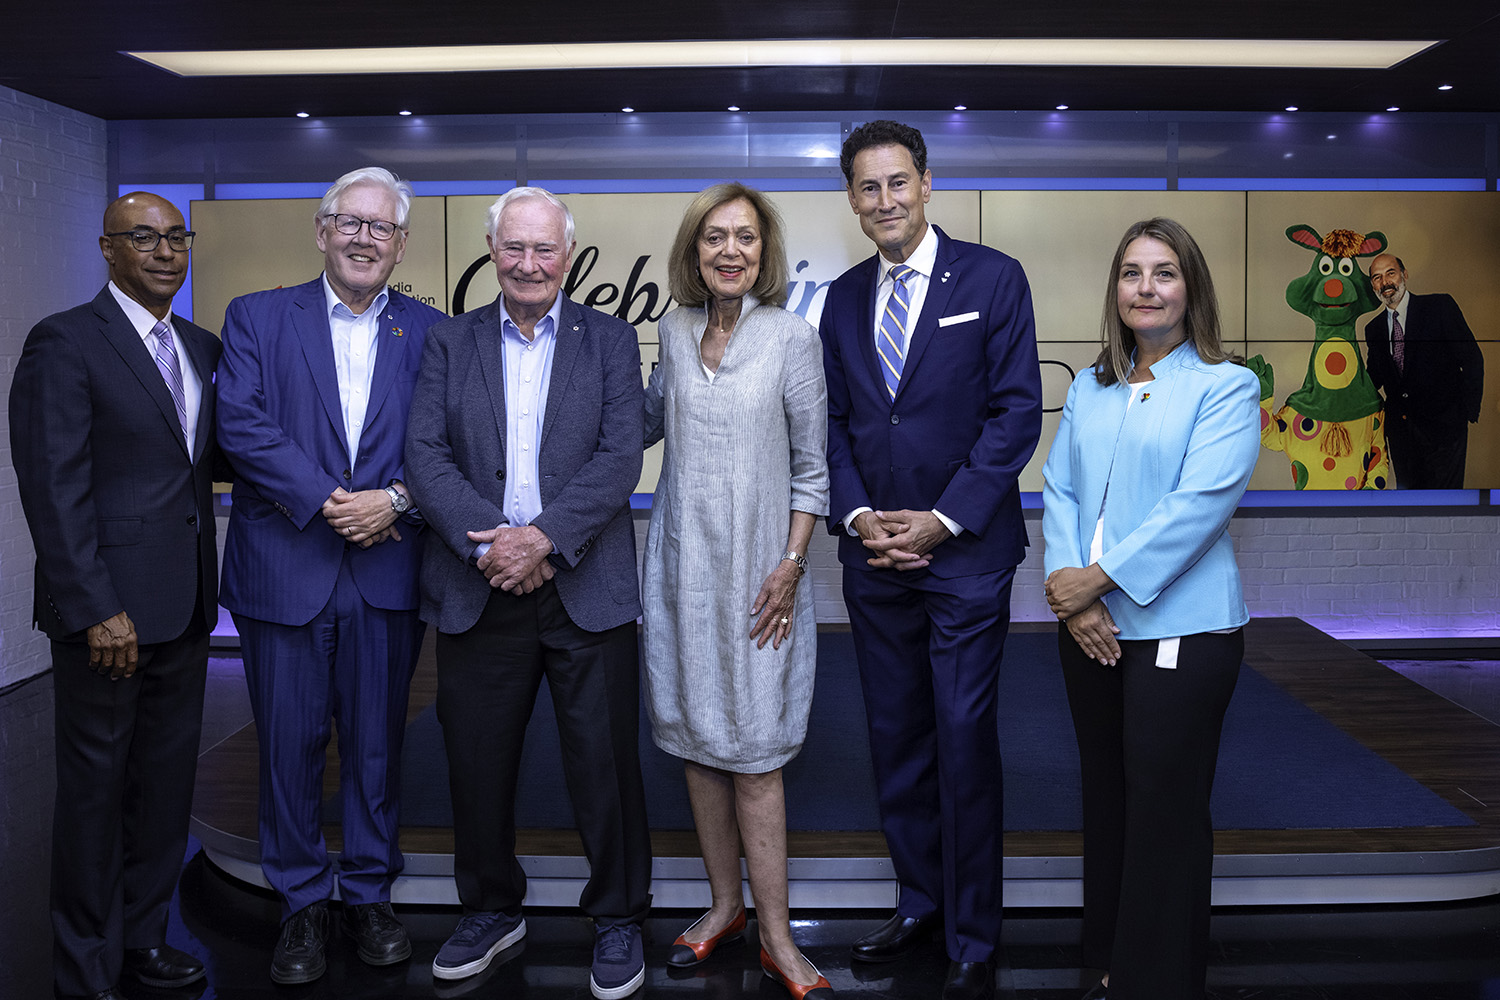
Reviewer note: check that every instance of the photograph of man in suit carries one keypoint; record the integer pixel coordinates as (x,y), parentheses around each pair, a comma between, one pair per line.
(1424,360)
(112,439)
(321,559)
(523,451)
(934,407)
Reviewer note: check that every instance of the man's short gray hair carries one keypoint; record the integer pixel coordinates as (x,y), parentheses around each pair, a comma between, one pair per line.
(492,217)
(370,175)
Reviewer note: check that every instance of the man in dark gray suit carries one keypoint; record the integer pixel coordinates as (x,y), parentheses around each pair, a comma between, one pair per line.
(112,438)
(523,447)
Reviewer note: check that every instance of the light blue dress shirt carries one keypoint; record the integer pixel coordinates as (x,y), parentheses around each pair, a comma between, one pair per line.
(528,373)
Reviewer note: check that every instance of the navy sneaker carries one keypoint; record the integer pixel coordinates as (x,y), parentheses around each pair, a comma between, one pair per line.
(619,964)
(474,943)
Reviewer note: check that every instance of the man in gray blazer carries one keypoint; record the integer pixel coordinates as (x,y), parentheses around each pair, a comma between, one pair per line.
(523,447)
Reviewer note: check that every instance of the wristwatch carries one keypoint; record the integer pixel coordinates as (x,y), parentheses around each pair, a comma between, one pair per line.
(800,560)
(399,502)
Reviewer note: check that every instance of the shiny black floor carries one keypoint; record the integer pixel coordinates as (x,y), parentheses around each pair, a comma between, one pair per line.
(1433,952)
(1427,952)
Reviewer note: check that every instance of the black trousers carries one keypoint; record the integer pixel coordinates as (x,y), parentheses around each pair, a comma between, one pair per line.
(487,684)
(1148,745)
(127,754)
(1427,456)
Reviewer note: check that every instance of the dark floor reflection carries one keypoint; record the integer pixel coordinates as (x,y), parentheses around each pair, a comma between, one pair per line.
(1428,952)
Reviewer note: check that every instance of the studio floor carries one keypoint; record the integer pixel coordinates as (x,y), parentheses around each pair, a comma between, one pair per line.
(1441,951)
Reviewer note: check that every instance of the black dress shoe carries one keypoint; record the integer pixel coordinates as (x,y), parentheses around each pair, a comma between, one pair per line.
(969,981)
(298,957)
(109,994)
(894,938)
(376,933)
(163,967)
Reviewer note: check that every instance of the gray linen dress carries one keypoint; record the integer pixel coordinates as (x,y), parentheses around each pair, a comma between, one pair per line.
(742,451)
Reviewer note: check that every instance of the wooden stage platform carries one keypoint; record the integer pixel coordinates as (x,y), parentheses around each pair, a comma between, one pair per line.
(1453,752)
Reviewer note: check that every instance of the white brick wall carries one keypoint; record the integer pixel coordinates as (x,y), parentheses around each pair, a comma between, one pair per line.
(52,196)
(1352,577)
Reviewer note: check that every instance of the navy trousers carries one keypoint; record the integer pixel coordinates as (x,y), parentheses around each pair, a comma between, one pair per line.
(929,654)
(351,665)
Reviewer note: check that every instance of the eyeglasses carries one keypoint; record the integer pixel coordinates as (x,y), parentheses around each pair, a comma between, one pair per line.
(350,225)
(147,240)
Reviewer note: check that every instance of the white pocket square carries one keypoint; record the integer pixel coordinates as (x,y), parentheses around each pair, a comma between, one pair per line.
(960,318)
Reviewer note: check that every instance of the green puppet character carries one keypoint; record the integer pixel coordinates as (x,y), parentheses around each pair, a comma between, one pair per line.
(1333,428)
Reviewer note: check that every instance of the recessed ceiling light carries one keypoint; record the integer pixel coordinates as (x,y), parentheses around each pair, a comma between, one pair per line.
(1286,156)
(1330,136)
(404,114)
(734,107)
(1446,86)
(302,114)
(960,107)
(1291,107)
(628,110)
(1393,108)
(1062,107)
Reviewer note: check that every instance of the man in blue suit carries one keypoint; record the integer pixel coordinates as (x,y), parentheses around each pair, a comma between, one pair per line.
(321,559)
(524,448)
(112,439)
(934,407)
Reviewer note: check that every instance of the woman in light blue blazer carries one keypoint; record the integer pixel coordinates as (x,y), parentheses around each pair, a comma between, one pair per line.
(1157,442)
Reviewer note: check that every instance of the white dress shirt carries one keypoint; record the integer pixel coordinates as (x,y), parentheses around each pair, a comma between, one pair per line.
(192,385)
(923,261)
(1398,313)
(355,341)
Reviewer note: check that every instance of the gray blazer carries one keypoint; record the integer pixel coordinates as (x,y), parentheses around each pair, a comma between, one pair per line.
(590,462)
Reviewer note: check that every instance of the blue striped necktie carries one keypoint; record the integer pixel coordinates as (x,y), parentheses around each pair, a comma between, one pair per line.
(171,371)
(891,344)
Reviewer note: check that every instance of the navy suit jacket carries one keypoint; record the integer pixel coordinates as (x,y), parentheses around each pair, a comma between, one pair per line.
(282,427)
(120,514)
(966,417)
(589,462)
(1443,382)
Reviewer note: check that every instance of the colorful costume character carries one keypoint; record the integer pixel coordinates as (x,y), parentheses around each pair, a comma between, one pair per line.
(1333,428)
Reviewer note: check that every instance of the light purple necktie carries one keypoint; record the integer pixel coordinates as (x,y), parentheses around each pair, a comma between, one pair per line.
(1398,343)
(171,371)
(891,344)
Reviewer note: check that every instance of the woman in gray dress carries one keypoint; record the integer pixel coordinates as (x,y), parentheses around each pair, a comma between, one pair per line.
(730,636)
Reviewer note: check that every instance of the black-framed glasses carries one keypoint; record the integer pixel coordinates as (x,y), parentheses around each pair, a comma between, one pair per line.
(349,225)
(147,240)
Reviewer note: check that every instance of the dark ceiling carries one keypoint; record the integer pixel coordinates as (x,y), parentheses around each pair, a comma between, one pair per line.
(69,52)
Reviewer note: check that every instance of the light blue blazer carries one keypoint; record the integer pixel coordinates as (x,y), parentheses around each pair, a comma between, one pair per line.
(1175,467)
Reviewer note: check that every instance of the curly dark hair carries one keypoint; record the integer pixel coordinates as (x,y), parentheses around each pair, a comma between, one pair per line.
(882,133)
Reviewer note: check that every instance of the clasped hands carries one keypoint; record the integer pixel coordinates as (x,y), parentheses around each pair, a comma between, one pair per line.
(1074,595)
(516,561)
(901,539)
(364,518)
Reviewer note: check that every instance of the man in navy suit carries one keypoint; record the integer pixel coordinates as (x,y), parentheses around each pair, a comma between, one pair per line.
(1424,359)
(934,407)
(112,439)
(320,563)
(524,448)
